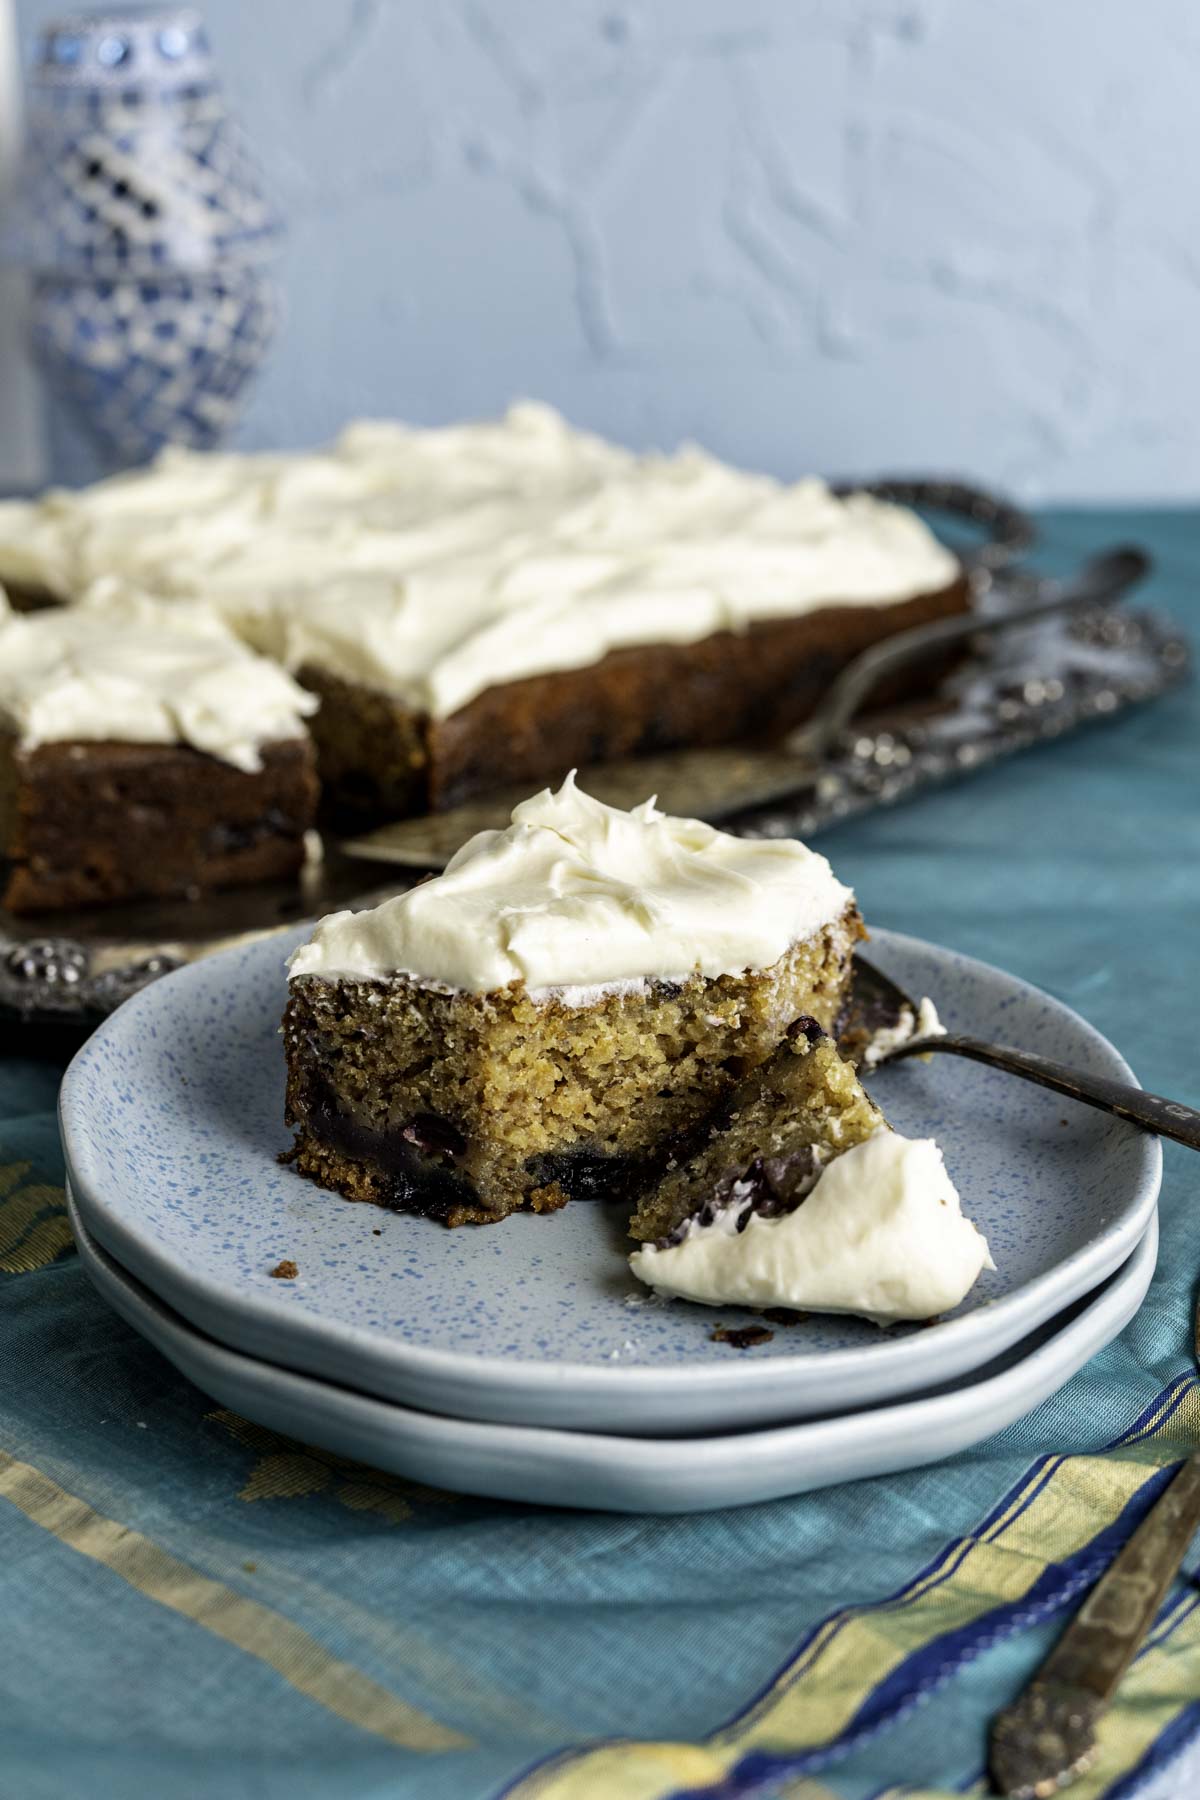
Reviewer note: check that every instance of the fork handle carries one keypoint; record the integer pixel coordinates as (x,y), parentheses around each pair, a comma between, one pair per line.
(1169,1118)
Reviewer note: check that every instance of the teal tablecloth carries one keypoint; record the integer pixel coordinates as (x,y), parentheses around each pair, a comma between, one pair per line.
(190,1606)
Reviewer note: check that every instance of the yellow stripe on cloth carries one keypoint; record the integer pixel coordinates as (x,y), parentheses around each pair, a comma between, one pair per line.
(1161,1683)
(632,1771)
(1061,1506)
(246,1624)
(33,1221)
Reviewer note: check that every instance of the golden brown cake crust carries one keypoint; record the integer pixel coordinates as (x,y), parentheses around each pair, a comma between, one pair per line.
(378,755)
(469,1106)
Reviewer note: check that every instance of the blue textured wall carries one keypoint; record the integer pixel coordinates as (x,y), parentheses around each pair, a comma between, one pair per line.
(838,234)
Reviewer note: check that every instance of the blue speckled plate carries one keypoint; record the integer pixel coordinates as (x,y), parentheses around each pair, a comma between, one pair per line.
(172,1125)
(635,1474)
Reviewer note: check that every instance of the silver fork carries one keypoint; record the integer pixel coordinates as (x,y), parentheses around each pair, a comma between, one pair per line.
(876,999)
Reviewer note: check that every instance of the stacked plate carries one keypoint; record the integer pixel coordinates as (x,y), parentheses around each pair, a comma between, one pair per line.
(523,1360)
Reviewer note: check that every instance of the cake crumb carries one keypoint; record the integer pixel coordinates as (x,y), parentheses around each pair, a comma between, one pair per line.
(741,1337)
(250,1567)
(284,1271)
(376,1232)
(1063,1121)
(784,1315)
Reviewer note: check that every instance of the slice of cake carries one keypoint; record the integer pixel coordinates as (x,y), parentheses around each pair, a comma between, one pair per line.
(544,1019)
(795,1193)
(144,751)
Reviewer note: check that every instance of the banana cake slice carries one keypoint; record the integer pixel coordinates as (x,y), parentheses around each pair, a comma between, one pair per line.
(546,1018)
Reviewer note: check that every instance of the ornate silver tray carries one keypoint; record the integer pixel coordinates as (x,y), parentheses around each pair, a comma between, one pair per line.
(1022,689)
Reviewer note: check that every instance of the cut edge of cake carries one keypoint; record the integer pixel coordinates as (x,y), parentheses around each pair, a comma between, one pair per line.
(767,1138)
(468,1107)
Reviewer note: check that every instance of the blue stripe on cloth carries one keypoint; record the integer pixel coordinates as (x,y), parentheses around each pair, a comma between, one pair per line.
(992,1535)
(940,1568)
(1160,1409)
(1169,1619)
(923,1671)
(1009,1508)
(1054,1589)
(1173,1739)
(1069,1578)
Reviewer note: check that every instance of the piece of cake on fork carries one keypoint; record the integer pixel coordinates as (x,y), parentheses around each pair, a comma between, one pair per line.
(542,1021)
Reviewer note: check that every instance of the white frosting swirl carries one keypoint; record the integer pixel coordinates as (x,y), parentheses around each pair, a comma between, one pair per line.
(435,564)
(881,1235)
(577,895)
(385,498)
(139,671)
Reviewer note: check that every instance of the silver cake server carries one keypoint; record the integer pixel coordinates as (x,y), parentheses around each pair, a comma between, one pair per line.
(1101,580)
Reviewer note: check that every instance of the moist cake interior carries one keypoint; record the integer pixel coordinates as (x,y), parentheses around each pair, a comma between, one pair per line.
(762,1136)
(467,1107)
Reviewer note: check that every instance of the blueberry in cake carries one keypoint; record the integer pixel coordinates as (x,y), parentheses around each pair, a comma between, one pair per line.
(544,1020)
(144,750)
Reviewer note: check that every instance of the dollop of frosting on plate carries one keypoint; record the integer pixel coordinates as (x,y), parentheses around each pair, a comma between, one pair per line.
(435,564)
(924,1023)
(881,1234)
(575,895)
(145,672)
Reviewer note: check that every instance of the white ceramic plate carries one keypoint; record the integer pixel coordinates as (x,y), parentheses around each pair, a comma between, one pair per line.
(172,1119)
(634,1474)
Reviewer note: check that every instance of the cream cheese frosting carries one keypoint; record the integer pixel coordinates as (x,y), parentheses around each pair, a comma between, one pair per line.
(141,671)
(578,896)
(923,1023)
(434,564)
(881,1235)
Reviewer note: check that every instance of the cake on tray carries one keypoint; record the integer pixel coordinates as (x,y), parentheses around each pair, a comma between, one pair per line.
(544,1020)
(144,751)
(489,604)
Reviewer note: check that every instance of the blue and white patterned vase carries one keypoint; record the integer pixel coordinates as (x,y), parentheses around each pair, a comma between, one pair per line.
(142,219)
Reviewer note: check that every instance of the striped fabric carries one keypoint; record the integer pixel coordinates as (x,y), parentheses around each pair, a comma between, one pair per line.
(192,1606)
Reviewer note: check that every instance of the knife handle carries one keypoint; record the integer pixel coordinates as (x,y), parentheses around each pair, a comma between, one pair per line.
(1047,1737)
